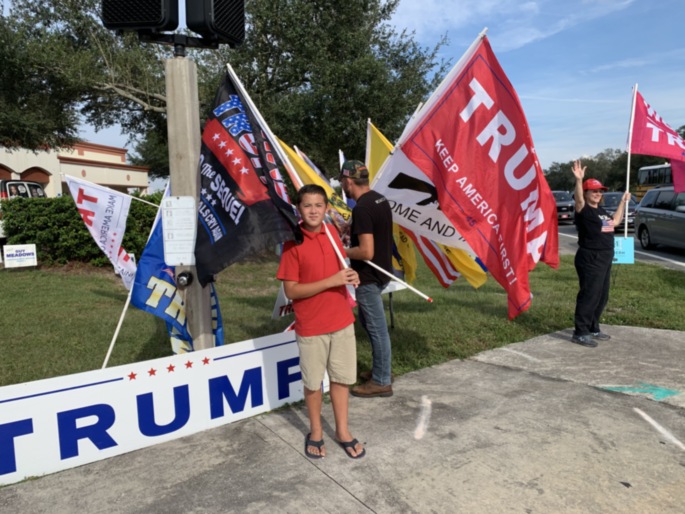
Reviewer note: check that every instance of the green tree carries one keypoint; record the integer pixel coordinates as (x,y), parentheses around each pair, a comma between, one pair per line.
(559,176)
(37,108)
(64,68)
(609,167)
(320,69)
(316,70)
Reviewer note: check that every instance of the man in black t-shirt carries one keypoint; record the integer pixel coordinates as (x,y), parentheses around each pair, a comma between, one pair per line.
(371,240)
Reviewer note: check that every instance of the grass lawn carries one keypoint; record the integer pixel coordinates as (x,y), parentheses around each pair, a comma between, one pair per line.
(61,320)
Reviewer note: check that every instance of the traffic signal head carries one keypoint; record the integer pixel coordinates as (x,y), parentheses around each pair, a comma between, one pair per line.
(223,20)
(160,15)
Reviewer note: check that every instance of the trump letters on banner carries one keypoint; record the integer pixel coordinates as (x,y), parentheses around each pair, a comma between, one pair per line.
(466,165)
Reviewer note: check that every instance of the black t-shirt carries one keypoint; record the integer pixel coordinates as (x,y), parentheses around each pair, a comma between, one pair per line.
(595,228)
(372,215)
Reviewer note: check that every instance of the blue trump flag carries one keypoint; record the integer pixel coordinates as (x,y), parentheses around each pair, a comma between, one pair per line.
(155,291)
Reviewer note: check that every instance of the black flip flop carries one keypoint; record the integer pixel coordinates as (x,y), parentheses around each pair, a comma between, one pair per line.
(316,444)
(350,445)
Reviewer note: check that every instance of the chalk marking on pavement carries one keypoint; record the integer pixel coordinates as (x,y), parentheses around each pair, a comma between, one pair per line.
(521,354)
(637,252)
(424,418)
(660,366)
(660,429)
(659,393)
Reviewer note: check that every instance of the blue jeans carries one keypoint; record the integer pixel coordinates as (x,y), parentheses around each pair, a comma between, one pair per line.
(372,318)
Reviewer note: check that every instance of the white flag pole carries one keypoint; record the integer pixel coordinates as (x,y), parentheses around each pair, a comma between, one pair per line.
(262,122)
(274,142)
(457,68)
(335,247)
(130,292)
(76,179)
(392,277)
(116,332)
(396,279)
(628,147)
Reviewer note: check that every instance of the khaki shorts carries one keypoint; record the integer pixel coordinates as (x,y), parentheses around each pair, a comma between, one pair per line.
(335,352)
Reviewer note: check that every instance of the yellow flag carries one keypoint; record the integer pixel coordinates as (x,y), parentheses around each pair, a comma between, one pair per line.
(466,265)
(405,248)
(309,176)
(377,149)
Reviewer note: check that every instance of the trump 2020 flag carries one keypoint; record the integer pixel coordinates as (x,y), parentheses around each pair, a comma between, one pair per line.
(105,211)
(155,291)
(470,149)
(653,136)
(240,211)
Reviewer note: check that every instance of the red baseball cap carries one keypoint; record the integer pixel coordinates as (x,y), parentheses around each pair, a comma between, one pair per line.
(593,183)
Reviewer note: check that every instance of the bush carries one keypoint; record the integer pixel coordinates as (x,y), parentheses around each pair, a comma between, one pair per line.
(55,226)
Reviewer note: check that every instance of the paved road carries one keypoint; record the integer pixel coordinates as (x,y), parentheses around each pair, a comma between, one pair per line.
(540,426)
(672,258)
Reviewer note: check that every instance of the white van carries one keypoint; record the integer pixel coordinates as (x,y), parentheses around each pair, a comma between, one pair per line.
(18,189)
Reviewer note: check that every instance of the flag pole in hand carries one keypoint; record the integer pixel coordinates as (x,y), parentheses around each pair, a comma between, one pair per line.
(396,279)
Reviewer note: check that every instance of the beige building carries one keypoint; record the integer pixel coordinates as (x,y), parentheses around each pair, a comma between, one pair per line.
(104,165)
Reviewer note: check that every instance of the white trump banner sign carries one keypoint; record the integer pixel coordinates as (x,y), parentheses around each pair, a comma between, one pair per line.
(63,422)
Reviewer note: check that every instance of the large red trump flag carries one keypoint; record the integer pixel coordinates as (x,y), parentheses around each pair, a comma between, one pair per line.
(471,147)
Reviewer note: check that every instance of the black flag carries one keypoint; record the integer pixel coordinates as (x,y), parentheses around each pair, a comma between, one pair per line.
(240,210)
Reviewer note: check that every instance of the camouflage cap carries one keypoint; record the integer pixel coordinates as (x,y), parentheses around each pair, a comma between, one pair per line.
(354,169)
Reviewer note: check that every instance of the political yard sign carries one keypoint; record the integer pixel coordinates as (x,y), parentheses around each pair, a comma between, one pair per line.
(19,256)
(63,422)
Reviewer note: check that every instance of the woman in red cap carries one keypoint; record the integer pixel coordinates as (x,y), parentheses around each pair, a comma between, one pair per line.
(594,256)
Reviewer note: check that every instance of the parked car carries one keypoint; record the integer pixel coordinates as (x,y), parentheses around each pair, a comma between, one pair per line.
(660,218)
(566,207)
(18,189)
(611,202)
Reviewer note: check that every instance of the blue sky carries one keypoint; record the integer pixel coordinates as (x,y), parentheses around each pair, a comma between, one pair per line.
(573,63)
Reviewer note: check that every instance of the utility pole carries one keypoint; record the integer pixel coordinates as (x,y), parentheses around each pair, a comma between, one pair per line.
(183,121)
(217,21)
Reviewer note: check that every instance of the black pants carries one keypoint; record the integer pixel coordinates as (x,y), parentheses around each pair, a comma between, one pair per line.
(594,276)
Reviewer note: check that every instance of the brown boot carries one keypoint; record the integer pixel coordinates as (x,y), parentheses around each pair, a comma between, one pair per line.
(366,376)
(371,389)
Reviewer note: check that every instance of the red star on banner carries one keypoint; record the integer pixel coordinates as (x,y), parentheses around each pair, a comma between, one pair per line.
(205,361)
(170,368)
(189,364)
(152,372)
(132,375)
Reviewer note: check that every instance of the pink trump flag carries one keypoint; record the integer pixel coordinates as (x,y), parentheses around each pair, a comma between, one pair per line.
(652,136)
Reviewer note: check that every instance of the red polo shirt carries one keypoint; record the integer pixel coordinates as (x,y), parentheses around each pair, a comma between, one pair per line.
(314,260)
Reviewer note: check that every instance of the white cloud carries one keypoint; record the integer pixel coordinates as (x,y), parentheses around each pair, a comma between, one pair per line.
(512,24)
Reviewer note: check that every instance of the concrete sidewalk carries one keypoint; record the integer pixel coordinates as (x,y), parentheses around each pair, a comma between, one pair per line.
(539,426)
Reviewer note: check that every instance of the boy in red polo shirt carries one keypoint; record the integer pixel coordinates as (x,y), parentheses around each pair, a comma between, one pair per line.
(315,280)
